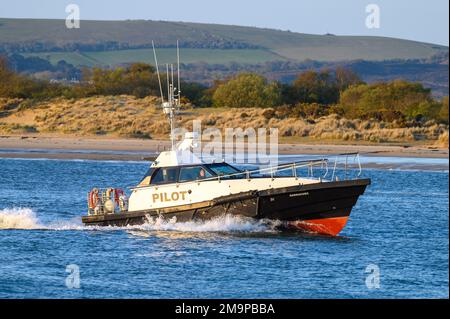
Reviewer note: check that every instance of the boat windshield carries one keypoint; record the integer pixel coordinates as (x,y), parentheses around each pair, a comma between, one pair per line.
(193,173)
(221,169)
(165,175)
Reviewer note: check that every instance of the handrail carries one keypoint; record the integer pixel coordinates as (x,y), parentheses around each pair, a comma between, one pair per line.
(356,159)
(359,165)
(326,170)
(345,169)
(334,168)
(283,167)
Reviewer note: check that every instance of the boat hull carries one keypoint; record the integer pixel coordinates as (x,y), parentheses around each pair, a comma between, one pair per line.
(322,208)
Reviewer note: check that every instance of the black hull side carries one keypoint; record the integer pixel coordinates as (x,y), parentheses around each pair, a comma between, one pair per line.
(315,201)
(327,200)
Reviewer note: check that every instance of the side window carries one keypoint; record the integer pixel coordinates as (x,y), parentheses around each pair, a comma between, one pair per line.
(225,170)
(193,173)
(165,176)
(146,179)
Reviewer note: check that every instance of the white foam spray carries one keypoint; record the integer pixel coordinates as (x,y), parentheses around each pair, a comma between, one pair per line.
(18,218)
(25,218)
(225,223)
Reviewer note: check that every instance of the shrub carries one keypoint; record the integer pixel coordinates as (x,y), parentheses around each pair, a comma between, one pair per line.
(283,111)
(247,90)
(268,114)
(388,101)
(312,110)
(443,112)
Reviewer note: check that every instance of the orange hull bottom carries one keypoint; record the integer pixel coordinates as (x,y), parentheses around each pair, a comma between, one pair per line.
(324,226)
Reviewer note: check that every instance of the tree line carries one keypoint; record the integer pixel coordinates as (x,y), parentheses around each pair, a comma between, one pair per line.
(312,94)
(207,42)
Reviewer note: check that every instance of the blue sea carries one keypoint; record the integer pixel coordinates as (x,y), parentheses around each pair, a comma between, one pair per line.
(394,246)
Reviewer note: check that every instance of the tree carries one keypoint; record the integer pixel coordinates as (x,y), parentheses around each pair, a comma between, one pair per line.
(5,77)
(315,87)
(345,78)
(443,112)
(196,93)
(247,90)
(138,79)
(16,86)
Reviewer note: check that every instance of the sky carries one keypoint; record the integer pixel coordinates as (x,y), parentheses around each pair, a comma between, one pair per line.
(420,20)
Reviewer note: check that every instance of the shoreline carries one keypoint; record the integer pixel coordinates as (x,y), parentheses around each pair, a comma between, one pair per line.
(120,149)
(111,144)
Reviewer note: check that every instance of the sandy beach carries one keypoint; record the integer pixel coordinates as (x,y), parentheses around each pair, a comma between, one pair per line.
(107,148)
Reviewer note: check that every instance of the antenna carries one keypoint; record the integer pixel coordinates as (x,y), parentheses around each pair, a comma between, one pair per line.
(168,85)
(157,71)
(168,107)
(178,75)
(171,107)
(172,85)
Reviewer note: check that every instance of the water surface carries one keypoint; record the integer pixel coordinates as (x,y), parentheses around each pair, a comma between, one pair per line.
(400,225)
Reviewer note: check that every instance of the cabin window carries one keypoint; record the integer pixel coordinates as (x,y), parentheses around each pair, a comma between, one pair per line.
(165,176)
(222,169)
(146,179)
(193,173)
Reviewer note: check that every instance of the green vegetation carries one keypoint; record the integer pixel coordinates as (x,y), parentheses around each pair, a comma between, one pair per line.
(39,35)
(321,87)
(46,49)
(247,90)
(312,95)
(117,57)
(398,100)
(139,80)
(19,86)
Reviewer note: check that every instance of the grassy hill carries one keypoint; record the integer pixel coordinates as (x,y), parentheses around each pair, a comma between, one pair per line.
(114,42)
(108,58)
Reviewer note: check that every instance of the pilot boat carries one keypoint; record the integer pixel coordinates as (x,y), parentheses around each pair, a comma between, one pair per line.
(180,186)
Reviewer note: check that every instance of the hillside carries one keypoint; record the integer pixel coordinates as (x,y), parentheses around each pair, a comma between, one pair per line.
(103,42)
(127,116)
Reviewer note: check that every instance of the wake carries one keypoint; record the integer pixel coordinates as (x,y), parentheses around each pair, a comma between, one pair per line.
(18,218)
(25,218)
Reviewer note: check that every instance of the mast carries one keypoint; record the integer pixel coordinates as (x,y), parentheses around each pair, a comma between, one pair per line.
(171,107)
(169,99)
(178,75)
